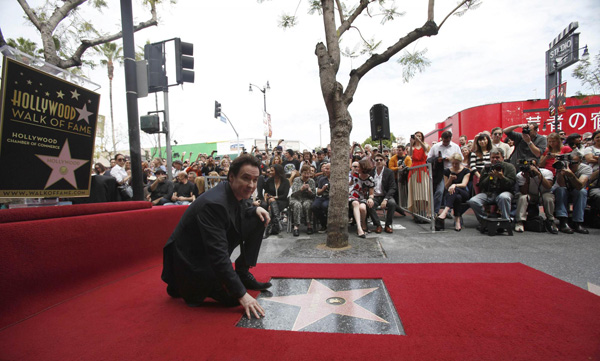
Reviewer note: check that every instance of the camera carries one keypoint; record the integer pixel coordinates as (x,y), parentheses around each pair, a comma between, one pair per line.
(412,136)
(526,130)
(488,167)
(562,161)
(524,165)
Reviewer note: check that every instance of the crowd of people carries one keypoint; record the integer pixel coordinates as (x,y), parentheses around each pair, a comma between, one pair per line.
(506,173)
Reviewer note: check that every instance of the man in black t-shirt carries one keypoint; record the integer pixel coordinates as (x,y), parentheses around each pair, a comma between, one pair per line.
(290,163)
(183,192)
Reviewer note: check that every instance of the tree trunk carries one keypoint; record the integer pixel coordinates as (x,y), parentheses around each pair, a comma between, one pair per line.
(337,222)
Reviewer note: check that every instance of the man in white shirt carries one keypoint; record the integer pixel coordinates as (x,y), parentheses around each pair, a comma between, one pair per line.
(498,143)
(122,176)
(534,184)
(383,195)
(439,156)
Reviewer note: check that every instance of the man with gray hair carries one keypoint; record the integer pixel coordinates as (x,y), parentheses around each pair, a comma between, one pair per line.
(496,186)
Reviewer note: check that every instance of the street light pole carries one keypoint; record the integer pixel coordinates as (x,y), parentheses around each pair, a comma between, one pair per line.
(264,91)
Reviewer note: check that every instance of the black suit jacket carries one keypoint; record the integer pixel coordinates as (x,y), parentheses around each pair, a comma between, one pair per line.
(388,182)
(197,255)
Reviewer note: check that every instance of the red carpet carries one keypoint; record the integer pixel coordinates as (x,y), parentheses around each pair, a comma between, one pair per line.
(449,312)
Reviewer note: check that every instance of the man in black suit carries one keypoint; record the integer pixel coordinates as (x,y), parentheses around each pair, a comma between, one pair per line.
(196,258)
(383,195)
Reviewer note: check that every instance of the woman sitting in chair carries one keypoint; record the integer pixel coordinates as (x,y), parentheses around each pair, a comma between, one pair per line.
(456,180)
(304,191)
(361,195)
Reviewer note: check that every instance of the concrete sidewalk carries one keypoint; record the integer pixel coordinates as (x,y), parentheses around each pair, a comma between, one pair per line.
(573,258)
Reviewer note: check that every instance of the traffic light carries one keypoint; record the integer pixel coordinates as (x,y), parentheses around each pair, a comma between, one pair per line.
(184,62)
(217,109)
(157,76)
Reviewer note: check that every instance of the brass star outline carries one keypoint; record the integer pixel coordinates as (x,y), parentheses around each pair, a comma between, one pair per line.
(314,305)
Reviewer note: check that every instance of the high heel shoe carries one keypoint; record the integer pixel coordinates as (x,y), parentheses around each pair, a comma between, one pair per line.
(364,235)
(461,225)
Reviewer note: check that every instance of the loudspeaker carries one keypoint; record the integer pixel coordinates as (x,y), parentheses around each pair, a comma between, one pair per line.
(380,122)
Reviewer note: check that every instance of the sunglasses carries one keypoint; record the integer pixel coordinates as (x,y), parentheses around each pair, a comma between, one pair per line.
(120,160)
(497,134)
(379,160)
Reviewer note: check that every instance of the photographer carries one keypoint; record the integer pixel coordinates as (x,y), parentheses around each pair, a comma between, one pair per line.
(528,144)
(534,184)
(571,179)
(496,185)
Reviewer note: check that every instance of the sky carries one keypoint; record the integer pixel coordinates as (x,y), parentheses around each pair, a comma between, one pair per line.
(493,54)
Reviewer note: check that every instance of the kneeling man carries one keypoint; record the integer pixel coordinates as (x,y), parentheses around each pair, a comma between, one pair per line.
(196,258)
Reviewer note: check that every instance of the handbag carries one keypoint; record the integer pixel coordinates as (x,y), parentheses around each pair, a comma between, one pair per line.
(535,224)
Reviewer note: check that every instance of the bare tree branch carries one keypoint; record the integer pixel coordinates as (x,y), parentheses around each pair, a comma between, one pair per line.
(430,11)
(348,22)
(75,59)
(452,12)
(428,29)
(30,14)
(340,10)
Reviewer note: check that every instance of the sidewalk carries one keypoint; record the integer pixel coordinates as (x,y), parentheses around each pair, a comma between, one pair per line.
(573,258)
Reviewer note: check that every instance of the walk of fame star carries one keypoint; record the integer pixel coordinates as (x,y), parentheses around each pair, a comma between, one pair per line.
(62,166)
(321,301)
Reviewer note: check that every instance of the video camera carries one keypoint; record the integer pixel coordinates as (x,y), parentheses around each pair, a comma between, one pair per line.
(488,167)
(562,161)
(526,130)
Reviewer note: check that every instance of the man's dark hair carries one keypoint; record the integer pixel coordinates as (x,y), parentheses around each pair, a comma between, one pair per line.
(447,134)
(241,161)
(401,147)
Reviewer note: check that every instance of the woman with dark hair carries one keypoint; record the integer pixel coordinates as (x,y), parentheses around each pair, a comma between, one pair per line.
(481,155)
(361,195)
(418,180)
(99,169)
(276,190)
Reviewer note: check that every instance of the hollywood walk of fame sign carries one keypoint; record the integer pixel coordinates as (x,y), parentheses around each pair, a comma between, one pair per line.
(47,133)
(332,305)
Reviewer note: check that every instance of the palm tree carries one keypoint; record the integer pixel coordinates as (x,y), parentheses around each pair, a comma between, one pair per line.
(112,52)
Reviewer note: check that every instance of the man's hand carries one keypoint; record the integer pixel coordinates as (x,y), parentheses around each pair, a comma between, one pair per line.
(370,203)
(526,138)
(384,204)
(263,215)
(251,305)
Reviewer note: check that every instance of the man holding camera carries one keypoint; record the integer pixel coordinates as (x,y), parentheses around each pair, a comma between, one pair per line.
(496,186)
(535,184)
(528,144)
(571,180)
(439,156)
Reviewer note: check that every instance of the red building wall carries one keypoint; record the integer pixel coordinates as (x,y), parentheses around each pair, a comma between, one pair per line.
(582,115)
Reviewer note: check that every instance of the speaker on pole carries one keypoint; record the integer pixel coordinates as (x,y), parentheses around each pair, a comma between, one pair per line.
(380,122)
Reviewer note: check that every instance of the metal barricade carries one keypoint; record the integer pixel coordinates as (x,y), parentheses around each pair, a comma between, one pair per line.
(415,193)
(212,181)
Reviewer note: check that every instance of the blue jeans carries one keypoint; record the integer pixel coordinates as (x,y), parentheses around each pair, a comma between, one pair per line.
(438,196)
(577,197)
(503,200)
